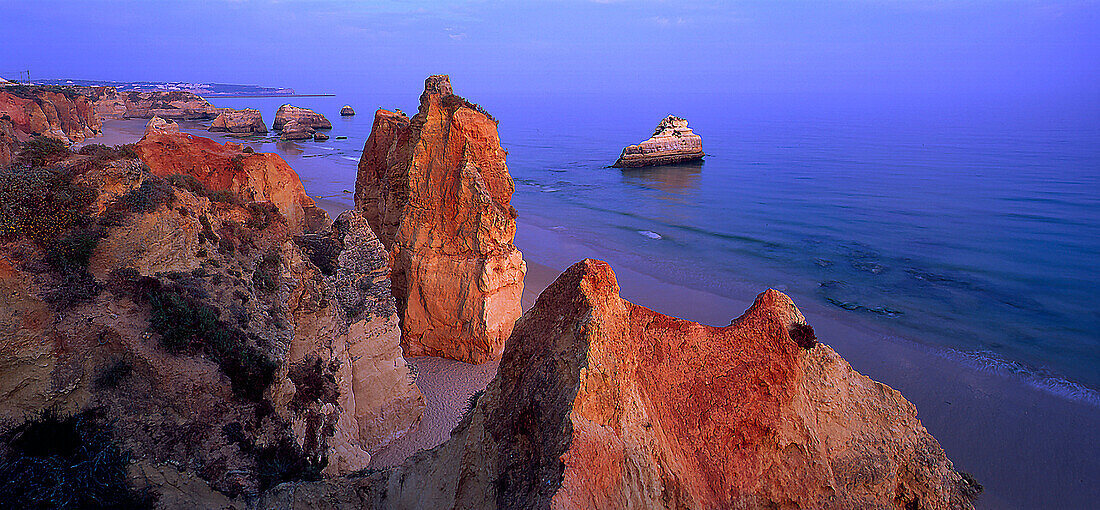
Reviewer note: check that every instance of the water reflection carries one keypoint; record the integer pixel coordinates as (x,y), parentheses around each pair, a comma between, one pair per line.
(675,178)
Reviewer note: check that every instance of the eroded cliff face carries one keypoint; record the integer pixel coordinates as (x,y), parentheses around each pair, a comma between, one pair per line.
(437,191)
(61,113)
(672,142)
(172,105)
(247,175)
(226,358)
(601,403)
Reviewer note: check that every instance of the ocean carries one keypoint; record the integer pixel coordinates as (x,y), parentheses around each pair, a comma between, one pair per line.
(970,226)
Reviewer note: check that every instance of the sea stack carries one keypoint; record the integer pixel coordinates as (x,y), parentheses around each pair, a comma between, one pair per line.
(304,116)
(436,190)
(672,142)
(248,120)
(347,111)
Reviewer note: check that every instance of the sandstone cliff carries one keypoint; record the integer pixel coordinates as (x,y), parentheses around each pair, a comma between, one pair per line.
(303,116)
(248,120)
(437,191)
(246,175)
(601,403)
(672,142)
(61,113)
(227,354)
(9,142)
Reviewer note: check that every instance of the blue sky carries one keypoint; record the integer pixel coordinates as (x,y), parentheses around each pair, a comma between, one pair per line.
(569,46)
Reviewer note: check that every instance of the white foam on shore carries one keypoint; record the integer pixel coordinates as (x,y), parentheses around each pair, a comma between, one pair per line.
(650,234)
(990,363)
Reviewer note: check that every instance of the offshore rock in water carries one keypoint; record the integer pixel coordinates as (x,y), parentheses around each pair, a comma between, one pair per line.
(248,120)
(303,116)
(437,191)
(601,403)
(347,111)
(672,142)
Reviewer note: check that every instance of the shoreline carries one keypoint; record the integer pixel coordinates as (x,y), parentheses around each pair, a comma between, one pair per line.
(1029,447)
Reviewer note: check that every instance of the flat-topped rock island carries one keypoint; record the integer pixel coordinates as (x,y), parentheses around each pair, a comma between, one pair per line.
(672,142)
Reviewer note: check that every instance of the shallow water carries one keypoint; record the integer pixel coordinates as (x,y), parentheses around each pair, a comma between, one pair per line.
(970,226)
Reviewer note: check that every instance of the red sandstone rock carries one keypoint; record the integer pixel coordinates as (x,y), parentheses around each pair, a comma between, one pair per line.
(304,116)
(57,112)
(601,403)
(9,143)
(256,177)
(672,142)
(159,125)
(248,120)
(294,130)
(436,190)
(347,111)
(175,104)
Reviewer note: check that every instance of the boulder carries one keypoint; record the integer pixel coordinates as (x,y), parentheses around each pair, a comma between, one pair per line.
(437,191)
(159,125)
(304,116)
(347,111)
(294,131)
(672,142)
(250,177)
(601,403)
(319,137)
(248,120)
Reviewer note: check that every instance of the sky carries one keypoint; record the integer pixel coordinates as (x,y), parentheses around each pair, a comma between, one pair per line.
(568,46)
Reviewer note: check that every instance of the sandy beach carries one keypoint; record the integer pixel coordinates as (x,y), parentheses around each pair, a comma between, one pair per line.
(1029,447)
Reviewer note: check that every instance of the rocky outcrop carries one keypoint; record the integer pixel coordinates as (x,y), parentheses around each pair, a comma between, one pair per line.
(61,113)
(248,120)
(437,191)
(319,137)
(157,125)
(601,403)
(672,142)
(224,357)
(174,105)
(347,111)
(304,116)
(248,176)
(293,130)
(9,142)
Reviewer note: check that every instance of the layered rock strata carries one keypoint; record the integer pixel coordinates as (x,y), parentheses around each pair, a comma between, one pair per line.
(294,130)
(672,142)
(56,112)
(248,120)
(227,353)
(249,176)
(436,189)
(303,116)
(601,403)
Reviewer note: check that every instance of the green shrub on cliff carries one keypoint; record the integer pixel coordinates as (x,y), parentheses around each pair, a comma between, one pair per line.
(188,326)
(42,151)
(41,204)
(54,462)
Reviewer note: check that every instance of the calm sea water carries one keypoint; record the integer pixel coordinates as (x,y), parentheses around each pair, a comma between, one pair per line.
(971,225)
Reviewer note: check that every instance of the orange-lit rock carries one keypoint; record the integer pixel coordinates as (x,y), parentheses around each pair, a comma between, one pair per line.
(248,120)
(303,116)
(9,143)
(63,113)
(161,126)
(601,403)
(252,177)
(437,191)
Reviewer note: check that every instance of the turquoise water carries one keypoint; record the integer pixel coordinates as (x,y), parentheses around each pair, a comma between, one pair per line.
(971,226)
